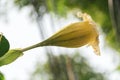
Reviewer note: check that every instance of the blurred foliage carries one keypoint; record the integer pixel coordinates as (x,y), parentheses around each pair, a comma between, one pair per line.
(115,17)
(98,9)
(63,67)
(1,76)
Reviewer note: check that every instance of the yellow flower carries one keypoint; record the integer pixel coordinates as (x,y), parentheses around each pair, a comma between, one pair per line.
(76,35)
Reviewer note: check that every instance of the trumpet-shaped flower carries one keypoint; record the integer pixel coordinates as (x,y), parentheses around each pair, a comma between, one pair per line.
(76,35)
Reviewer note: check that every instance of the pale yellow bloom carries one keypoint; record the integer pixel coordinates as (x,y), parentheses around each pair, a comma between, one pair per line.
(76,35)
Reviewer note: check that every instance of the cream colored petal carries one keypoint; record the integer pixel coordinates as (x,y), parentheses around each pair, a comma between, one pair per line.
(95,46)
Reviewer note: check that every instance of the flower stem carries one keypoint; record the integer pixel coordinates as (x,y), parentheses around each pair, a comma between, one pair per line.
(40,44)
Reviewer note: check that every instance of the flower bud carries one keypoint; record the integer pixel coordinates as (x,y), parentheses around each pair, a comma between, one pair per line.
(76,35)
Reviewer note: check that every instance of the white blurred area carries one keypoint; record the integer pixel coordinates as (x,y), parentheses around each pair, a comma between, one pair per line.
(21,32)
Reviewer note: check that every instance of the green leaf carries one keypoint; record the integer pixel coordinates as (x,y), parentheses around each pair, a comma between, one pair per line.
(2,76)
(4,45)
(10,56)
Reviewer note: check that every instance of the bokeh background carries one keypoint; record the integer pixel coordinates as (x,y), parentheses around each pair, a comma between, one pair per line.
(26,22)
